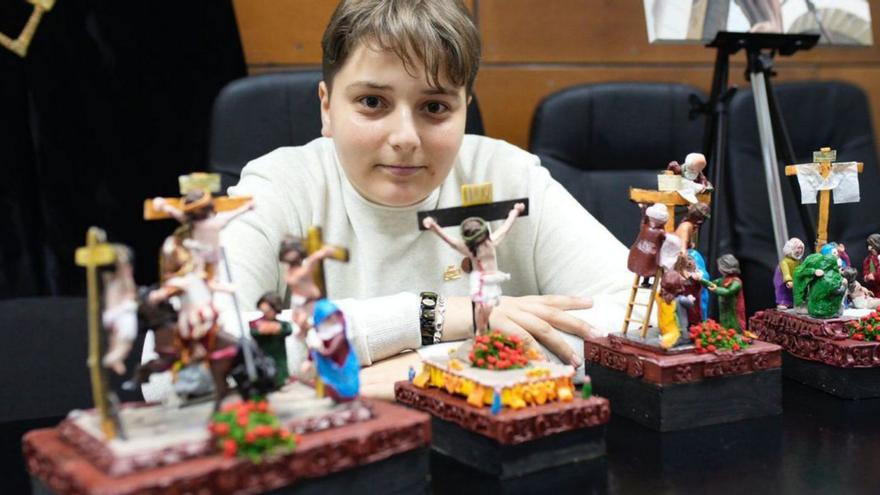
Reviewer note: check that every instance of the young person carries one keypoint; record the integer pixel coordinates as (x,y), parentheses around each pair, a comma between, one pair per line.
(398,76)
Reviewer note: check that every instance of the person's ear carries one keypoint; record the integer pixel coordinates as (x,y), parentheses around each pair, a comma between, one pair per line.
(324,96)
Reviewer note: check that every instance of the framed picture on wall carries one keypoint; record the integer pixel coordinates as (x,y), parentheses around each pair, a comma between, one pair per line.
(838,22)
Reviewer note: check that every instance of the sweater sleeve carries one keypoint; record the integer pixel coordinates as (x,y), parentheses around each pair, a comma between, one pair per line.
(381,327)
(576,255)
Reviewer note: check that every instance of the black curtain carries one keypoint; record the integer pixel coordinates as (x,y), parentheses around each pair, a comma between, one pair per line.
(111,104)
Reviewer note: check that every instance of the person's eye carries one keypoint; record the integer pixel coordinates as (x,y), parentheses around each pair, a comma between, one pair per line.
(436,108)
(372,102)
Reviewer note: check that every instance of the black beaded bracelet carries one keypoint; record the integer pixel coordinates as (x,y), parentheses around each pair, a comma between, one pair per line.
(431,311)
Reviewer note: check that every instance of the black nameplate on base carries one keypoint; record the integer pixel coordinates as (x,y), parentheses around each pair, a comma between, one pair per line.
(846,383)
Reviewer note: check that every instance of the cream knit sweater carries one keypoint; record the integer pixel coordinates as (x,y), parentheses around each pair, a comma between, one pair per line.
(559,248)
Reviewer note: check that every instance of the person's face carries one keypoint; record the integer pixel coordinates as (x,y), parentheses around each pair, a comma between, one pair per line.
(396,136)
(267,311)
(798,251)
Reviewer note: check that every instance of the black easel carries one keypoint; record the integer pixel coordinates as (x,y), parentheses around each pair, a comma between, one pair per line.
(760,49)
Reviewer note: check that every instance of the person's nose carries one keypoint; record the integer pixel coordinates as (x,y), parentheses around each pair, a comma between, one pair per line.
(404,136)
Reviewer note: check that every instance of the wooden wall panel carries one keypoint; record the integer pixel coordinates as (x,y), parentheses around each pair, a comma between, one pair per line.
(284,32)
(602,31)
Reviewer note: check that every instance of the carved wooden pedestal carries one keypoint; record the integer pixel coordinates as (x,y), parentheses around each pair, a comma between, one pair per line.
(514,442)
(819,353)
(388,451)
(684,390)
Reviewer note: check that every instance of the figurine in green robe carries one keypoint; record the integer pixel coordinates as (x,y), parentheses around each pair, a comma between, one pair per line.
(269,333)
(819,286)
(728,288)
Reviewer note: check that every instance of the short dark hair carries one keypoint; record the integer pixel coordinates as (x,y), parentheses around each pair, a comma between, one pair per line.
(438,33)
(272,300)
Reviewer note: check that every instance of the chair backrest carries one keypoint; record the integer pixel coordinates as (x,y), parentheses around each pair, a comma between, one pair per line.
(255,115)
(599,140)
(816,114)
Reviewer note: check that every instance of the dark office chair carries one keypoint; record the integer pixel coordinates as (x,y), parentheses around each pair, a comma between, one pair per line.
(254,115)
(817,114)
(599,140)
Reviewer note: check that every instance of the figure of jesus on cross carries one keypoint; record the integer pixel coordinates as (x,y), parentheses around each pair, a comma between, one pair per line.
(826,176)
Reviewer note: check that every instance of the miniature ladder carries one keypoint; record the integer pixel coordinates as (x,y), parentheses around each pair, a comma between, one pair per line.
(649,306)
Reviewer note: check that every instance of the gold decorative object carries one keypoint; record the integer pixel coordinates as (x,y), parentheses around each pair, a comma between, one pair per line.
(453,272)
(19,46)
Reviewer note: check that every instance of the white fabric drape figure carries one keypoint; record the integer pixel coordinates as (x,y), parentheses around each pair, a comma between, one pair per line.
(843,182)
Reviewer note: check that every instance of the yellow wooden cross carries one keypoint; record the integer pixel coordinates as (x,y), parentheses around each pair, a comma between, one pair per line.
(196,181)
(824,158)
(20,45)
(314,242)
(94,254)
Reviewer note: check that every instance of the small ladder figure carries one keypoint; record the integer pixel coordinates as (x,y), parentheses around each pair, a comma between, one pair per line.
(670,199)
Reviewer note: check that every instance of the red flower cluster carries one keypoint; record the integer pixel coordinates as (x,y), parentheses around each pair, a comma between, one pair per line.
(709,336)
(867,328)
(249,429)
(498,352)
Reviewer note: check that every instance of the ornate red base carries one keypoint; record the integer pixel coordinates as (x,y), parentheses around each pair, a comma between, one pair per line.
(63,469)
(809,338)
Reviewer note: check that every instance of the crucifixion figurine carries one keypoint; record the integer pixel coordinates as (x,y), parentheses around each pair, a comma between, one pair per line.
(478,242)
(826,176)
(95,254)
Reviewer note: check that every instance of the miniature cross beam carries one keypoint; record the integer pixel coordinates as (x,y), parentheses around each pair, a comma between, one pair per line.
(315,242)
(94,254)
(20,45)
(825,176)
(196,181)
(476,202)
(670,199)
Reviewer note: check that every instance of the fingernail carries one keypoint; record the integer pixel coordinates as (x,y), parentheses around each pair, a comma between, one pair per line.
(576,361)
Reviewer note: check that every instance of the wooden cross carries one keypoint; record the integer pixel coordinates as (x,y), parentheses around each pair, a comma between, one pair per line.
(20,45)
(314,242)
(196,181)
(94,254)
(823,159)
(476,200)
(670,199)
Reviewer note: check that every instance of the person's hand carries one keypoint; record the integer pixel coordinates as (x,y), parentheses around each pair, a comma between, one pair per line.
(534,319)
(428,223)
(869,277)
(519,208)
(819,273)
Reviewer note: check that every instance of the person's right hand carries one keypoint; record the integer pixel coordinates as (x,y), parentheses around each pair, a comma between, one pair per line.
(534,319)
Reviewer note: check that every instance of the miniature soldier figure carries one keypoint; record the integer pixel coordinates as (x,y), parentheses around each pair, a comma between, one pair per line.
(644,254)
(201,224)
(335,360)
(818,286)
(871,265)
(120,309)
(782,276)
(270,333)
(728,288)
(479,248)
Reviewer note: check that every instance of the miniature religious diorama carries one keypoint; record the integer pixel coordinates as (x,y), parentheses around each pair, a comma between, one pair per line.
(492,399)
(823,318)
(685,370)
(202,437)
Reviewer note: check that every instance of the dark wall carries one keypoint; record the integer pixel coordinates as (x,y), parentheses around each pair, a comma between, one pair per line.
(111,104)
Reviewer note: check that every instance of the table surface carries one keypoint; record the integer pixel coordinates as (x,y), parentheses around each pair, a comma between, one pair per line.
(820,444)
